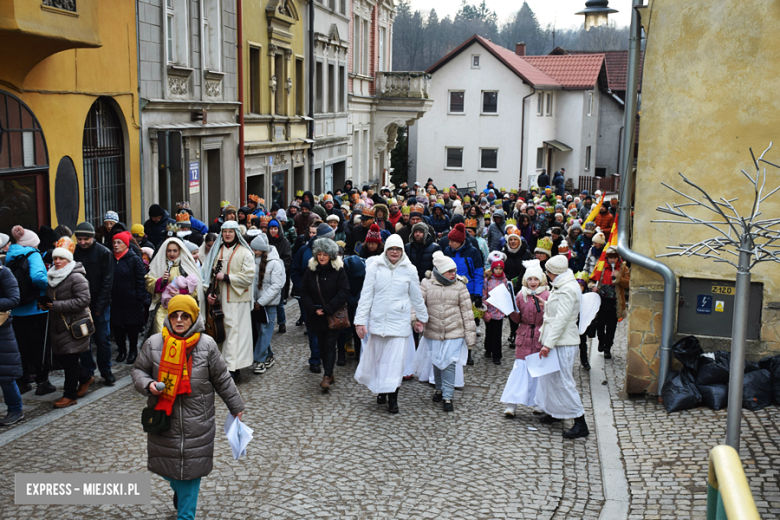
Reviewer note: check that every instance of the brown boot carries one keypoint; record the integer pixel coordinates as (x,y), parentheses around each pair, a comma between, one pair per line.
(82,391)
(325,384)
(64,402)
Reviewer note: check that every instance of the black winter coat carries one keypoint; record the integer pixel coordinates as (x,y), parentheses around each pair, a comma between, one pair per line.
(421,255)
(128,294)
(10,360)
(358,234)
(513,267)
(98,262)
(335,291)
(157,232)
(542,181)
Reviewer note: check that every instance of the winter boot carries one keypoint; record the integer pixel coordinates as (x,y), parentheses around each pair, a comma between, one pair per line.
(469,361)
(436,396)
(548,419)
(381,399)
(392,402)
(580,429)
(447,405)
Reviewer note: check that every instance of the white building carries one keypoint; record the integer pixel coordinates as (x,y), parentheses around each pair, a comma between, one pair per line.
(504,116)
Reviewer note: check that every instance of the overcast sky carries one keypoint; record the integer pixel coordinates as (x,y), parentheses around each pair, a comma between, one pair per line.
(559,12)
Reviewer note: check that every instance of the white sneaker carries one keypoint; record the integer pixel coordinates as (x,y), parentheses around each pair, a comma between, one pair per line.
(510,410)
(259,368)
(269,362)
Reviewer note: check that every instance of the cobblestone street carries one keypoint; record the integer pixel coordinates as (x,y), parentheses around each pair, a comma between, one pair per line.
(341,455)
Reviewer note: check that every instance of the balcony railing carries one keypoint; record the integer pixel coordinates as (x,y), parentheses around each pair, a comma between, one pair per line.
(605,184)
(415,85)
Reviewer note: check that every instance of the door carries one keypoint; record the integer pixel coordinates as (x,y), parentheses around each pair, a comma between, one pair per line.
(213,176)
(329,178)
(279,189)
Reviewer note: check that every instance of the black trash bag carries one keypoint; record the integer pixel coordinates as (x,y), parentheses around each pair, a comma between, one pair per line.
(773,365)
(714,371)
(714,397)
(757,393)
(687,352)
(680,392)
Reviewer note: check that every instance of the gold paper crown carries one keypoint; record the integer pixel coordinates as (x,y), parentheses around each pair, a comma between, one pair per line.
(406,210)
(503,190)
(497,202)
(266,218)
(467,199)
(254,198)
(299,193)
(172,228)
(511,222)
(513,190)
(391,201)
(345,197)
(545,243)
(440,201)
(326,197)
(182,217)
(563,247)
(183,205)
(224,204)
(472,223)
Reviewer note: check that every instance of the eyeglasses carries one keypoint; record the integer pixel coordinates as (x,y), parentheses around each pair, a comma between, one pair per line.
(179,316)
(394,250)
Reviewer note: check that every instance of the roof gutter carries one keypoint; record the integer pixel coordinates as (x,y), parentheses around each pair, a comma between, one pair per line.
(626,190)
(240,58)
(522,136)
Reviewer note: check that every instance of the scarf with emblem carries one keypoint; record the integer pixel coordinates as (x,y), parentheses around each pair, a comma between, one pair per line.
(175,368)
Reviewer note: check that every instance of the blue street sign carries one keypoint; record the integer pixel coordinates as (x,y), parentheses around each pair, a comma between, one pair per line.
(704,304)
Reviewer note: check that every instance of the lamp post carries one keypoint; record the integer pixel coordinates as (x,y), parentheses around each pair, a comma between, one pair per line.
(596,13)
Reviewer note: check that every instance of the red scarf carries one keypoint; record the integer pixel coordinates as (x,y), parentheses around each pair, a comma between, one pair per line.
(120,255)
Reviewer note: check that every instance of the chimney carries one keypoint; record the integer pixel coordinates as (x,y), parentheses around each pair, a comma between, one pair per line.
(520,49)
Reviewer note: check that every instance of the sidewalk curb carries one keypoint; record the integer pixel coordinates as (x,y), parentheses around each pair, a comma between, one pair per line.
(613,475)
(55,414)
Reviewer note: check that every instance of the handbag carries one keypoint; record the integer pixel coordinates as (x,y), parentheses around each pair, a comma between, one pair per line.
(80,328)
(338,320)
(155,421)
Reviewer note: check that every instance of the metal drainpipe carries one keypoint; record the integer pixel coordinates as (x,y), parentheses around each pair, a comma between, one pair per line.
(141,105)
(626,190)
(522,137)
(240,49)
(312,65)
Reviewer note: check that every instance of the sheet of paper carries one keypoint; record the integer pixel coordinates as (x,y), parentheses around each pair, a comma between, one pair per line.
(501,299)
(238,435)
(589,307)
(539,366)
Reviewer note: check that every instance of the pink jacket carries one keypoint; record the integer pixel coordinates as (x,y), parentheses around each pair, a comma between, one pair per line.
(530,321)
(491,283)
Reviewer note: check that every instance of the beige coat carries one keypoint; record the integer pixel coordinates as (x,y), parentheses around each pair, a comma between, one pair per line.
(449,310)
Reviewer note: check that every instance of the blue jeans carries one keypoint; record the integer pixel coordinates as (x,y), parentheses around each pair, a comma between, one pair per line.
(263,346)
(11,396)
(314,346)
(102,340)
(186,496)
(281,316)
(445,380)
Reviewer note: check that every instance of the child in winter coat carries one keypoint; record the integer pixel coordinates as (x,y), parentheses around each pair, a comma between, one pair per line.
(595,253)
(494,318)
(521,387)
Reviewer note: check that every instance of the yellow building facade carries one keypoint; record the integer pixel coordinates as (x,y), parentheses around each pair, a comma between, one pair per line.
(708,95)
(275,103)
(68,113)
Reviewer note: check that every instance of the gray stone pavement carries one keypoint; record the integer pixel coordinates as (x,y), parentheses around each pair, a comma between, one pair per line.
(336,455)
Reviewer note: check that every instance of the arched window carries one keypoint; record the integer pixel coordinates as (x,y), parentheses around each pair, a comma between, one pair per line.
(104,164)
(24,167)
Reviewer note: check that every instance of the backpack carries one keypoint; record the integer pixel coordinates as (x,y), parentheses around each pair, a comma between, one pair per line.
(20,267)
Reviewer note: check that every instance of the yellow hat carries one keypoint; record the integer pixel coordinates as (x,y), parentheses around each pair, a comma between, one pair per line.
(186,303)
(137,229)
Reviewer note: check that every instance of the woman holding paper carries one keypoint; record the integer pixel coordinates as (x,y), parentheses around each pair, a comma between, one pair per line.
(191,368)
(556,393)
(521,386)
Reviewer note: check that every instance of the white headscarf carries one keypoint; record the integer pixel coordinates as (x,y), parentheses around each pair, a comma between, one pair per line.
(208,263)
(186,263)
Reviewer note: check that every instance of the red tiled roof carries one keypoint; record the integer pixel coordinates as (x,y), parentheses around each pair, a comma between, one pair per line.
(579,71)
(617,66)
(517,64)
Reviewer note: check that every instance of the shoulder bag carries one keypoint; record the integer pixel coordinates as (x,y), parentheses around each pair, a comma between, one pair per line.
(338,320)
(81,328)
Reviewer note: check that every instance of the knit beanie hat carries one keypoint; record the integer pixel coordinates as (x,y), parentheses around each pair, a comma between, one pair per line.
(155,210)
(47,235)
(281,216)
(191,247)
(148,251)
(260,243)
(61,252)
(497,263)
(274,223)
(544,245)
(85,229)
(599,238)
(25,237)
(185,303)
(374,235)
(124,236)
(138,230)
(325,245)
(111,216)
(325,231)
(590,227)
(558,264)
(4,239)
(458,233)
(496,256)
(533,269)
(443,263)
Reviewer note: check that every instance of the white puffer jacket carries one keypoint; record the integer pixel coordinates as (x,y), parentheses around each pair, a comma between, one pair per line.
(561,312)
(388,296)
(273,282)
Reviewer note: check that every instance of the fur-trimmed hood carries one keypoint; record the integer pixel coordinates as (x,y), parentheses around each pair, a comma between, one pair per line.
(337,264)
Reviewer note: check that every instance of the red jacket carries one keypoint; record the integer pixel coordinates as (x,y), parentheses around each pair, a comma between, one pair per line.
(605,221)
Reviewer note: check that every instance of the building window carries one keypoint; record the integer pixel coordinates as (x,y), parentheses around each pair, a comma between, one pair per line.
(212,32)
(475,61)
(457,102)
(300,87)
(539,158)
(455,158)
(587,158)
(177,32)
(590,103)
(490,102)
(549,103)
(540,104)
(254,80)
(356,45)
(366,39)
(343,6)
(332,4)
(382,32)
(342,87)
(331,88)
(318,79)
(488,159)
(104,164)
(281,75)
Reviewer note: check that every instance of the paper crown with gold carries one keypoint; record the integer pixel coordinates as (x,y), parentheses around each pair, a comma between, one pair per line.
(183,205)
(472,223)
(327,197)
(172,228)
(266,219)
(224,204)
(391,201)
(299,193)
(255,199)
(406,210)
(545,243)
(511,222)
(513,190)
(466,199)
(182,217)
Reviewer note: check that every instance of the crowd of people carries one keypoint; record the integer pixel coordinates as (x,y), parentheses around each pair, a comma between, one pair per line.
(398,278)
